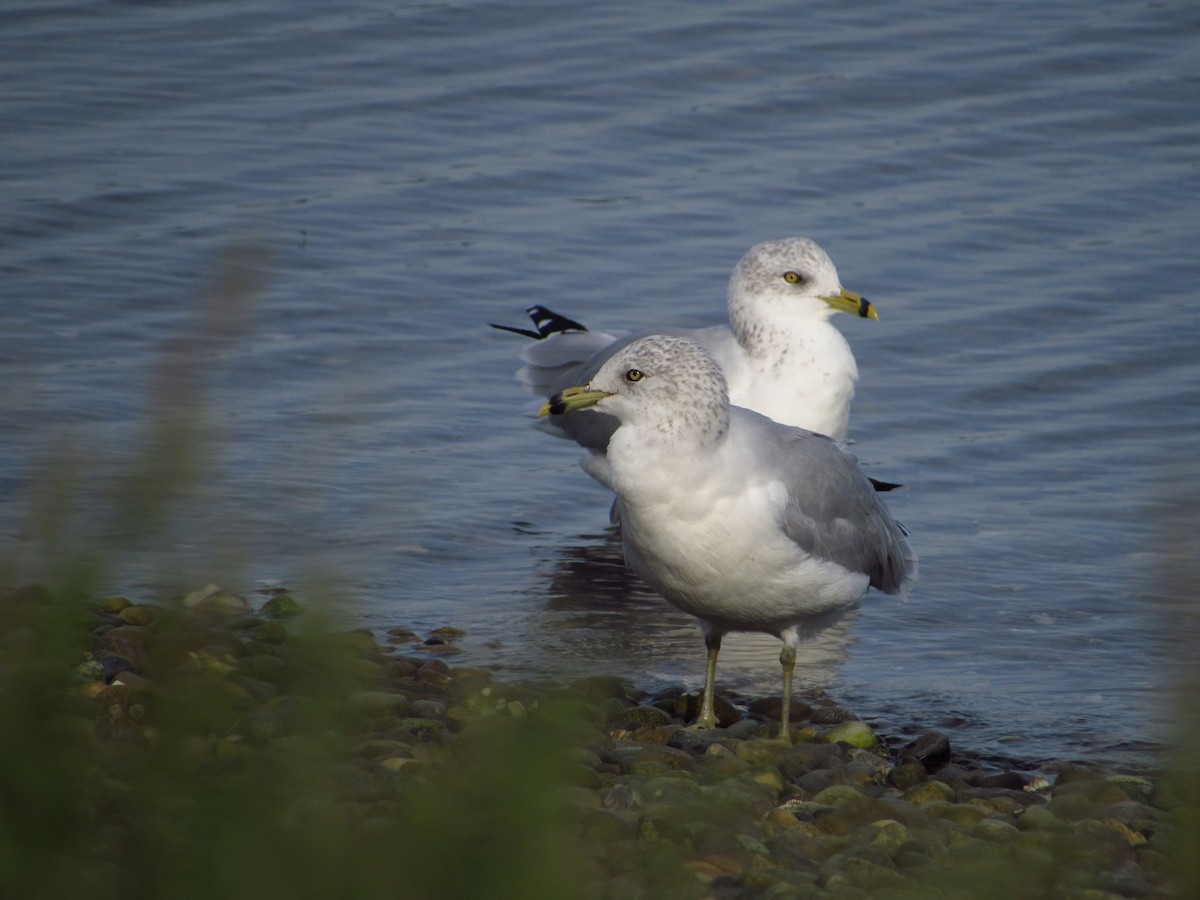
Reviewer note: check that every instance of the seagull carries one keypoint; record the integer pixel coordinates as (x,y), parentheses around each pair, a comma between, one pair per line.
(738,520)
(781,355)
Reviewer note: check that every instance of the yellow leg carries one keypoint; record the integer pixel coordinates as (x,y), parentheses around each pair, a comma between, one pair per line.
(787,659)
(708,717)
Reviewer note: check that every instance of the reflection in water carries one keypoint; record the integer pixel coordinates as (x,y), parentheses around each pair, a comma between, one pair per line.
(603,618)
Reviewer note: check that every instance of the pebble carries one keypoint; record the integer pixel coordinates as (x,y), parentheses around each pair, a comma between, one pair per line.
(137,615)
(931,749)
(282,606)
(854,733)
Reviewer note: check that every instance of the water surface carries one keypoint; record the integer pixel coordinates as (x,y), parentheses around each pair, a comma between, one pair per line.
(1015,188)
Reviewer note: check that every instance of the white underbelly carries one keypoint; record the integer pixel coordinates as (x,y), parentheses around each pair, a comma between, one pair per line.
(710,567)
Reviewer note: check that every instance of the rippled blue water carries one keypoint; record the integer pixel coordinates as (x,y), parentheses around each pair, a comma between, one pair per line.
(1015,186)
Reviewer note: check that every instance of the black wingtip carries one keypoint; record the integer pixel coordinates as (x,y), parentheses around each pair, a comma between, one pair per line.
(525,332)
(546,321)
(882,487)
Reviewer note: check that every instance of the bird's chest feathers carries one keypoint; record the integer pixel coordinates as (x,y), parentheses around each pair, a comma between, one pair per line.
(679,520)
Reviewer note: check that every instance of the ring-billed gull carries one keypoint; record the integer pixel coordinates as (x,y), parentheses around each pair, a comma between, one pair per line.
(780,354)
(744,523)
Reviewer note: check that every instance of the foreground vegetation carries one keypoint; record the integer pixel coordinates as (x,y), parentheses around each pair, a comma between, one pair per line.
(210,746)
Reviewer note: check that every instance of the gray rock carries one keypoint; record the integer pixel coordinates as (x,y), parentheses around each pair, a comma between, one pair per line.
(908,774)
(931,749)
(996,830)
(831,715)
(427,709)
(772,708)
(112,664)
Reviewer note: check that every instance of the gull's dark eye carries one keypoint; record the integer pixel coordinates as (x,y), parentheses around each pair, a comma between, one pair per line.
(793,277)
(634,375)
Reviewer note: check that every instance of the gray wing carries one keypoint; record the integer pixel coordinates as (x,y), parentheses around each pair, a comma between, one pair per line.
(834,512)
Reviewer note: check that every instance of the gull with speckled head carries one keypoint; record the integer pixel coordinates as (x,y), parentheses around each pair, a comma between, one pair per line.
(780,354)
(742,522)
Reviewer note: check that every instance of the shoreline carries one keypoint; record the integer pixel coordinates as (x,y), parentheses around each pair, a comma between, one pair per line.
(630,791)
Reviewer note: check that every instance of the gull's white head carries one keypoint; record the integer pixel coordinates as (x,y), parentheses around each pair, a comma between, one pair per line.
(788,279)
(669,383)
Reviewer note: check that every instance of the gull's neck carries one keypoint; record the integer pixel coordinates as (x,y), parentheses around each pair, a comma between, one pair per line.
(760,335)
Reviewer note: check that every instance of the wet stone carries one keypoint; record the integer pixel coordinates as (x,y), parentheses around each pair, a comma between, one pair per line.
(955,776)
(657,734)
(377,703)
(216,600)
(686,706)
(114,604)
(802,758)
(930,792)
(636,717)
(855,733)
(128,641)
(112,665)
(996,830)
(264,667)
(831,715)
(1012,781)
(1040,817)
(907,774)
(433,671)
(381,747)
(269,633)
(428,709)
(762,752)
(599,688)
(91,670)
(841,796)
(818,780)
(138,615)
(282,606)
(426,730)
(772,708)
(1007,803)
(746,730)
(931,749)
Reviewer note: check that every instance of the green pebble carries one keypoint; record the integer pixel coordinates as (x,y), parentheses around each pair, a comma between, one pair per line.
(763,752)
(639,717)
(90,670)
(996,830)
(422,729)
(282,606)
(841,796)
(115,604)
(907,775)
(138,615)
(1040,818)
(966,814)
(929,792)
(855,733)
(377,702)
(888,834)
(269,633)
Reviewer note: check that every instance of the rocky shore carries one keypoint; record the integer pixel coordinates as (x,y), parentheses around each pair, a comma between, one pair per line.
(209,723)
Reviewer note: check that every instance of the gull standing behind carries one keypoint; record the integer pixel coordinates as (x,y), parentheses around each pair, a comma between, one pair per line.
(744,523)
(780,354)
